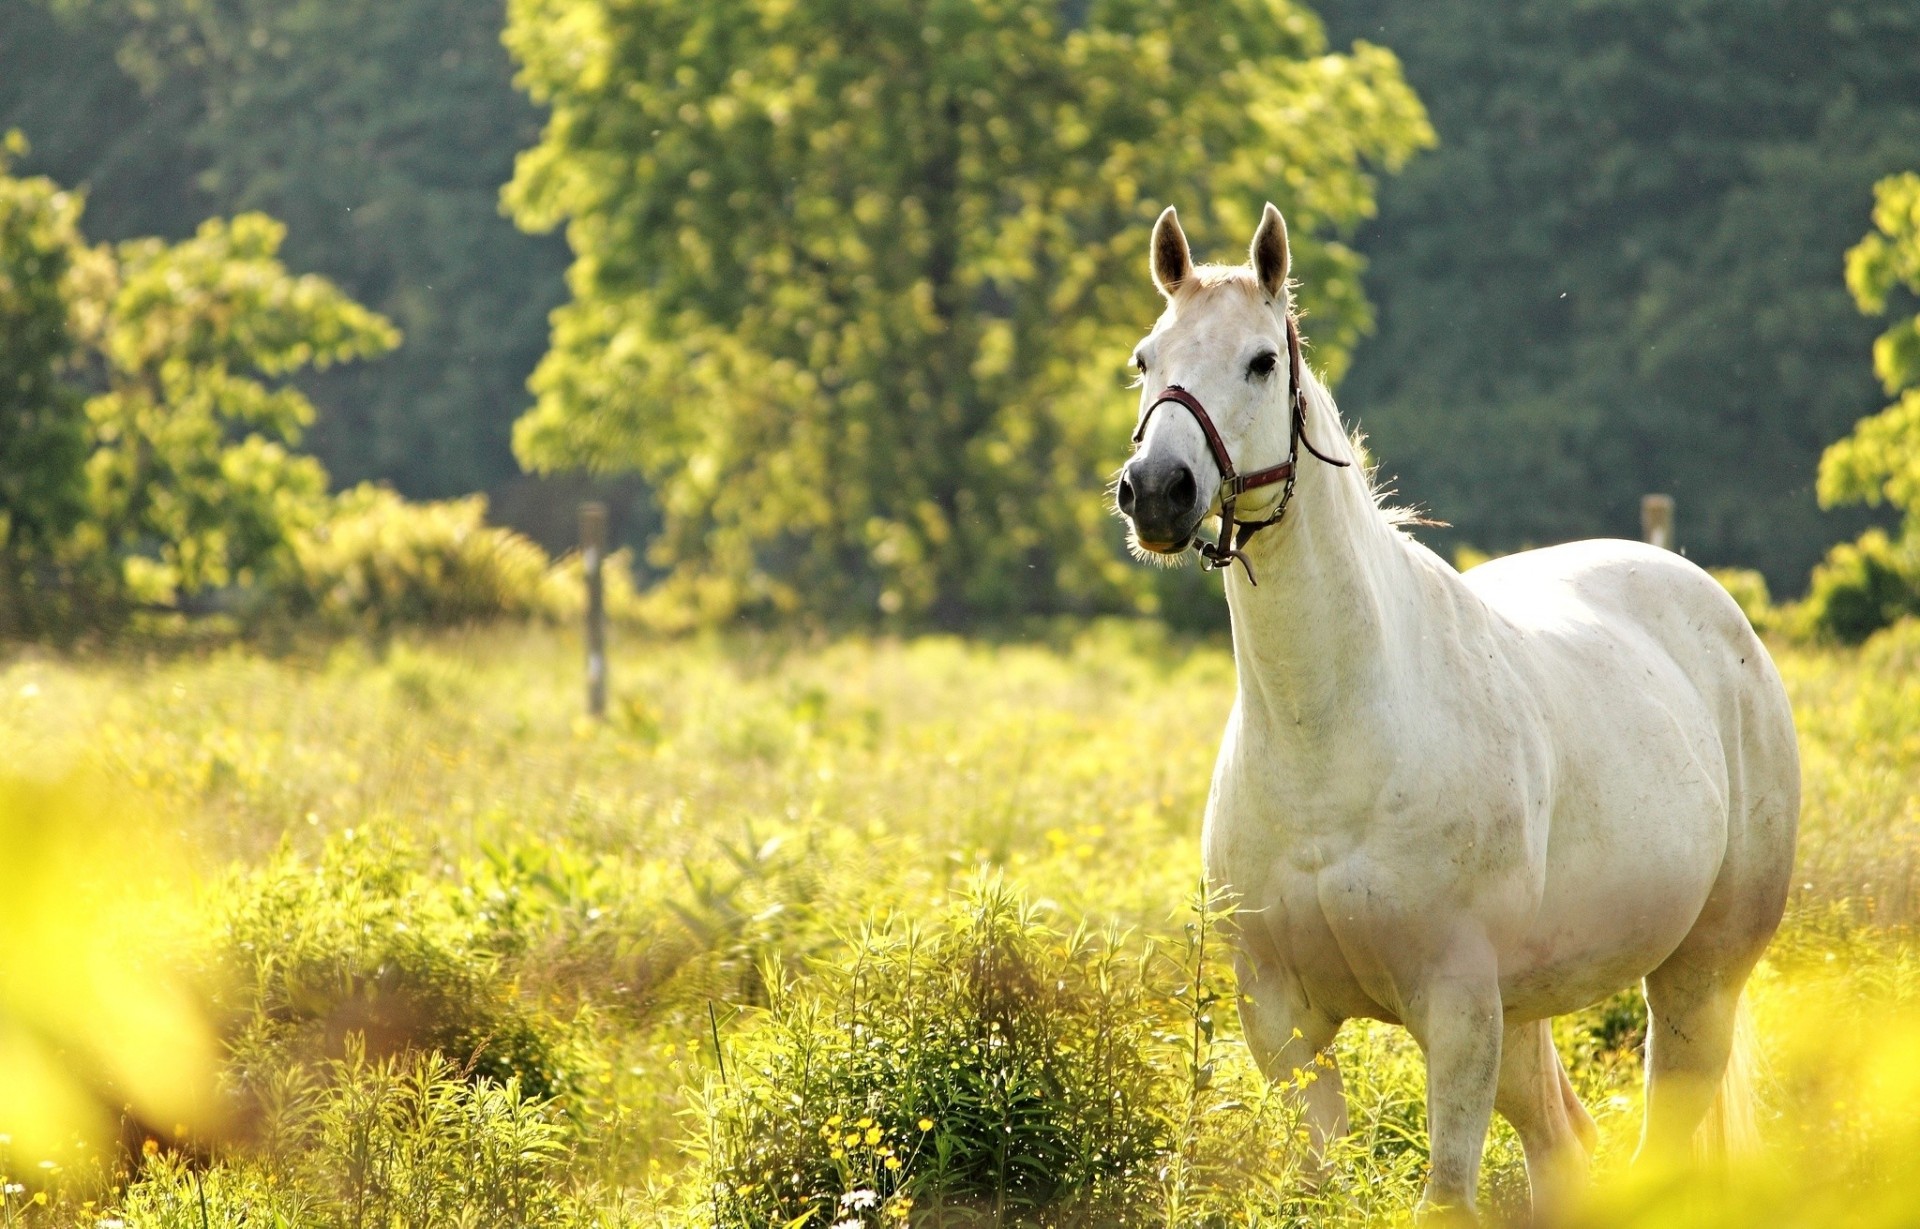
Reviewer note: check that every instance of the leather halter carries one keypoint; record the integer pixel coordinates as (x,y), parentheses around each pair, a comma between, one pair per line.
(1234,533)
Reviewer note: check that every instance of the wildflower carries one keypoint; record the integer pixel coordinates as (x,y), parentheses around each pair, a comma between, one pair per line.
(853,1137)
(835,1121)
(150,1148)
(12,1188)
(862,1198)
(852,1222)
(893,1162)
(926,1124)
(873,1135)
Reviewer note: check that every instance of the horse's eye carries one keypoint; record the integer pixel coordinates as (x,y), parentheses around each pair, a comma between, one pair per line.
(1262,365)
(1140,364)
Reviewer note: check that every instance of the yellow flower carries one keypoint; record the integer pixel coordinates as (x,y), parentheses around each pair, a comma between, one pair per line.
(853,1137)
(926,1124)
(893,1162)
(873,1135)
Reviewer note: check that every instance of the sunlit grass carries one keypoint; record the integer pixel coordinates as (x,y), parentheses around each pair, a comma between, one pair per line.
(424,848)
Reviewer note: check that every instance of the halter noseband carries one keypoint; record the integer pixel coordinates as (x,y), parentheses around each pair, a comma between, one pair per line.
(1234,533)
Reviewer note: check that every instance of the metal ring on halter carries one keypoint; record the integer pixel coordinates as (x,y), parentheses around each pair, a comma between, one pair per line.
(1234,533)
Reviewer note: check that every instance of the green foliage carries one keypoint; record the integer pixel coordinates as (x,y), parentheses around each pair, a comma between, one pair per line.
(409,1143)
(1861,587)
(192,483)
(42,427)
(852,283)
(1865,585)
(363,949)
(985,1069)
(1881,459)
(377,560)
(1616,274)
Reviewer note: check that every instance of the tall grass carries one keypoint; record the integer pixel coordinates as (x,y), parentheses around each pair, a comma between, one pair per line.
(816,933)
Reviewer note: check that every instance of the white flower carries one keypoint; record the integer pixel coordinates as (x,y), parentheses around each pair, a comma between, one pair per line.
(858,1199)
(12,1188)
(852,1222)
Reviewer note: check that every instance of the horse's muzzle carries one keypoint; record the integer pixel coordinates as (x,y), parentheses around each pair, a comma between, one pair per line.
(1162,500)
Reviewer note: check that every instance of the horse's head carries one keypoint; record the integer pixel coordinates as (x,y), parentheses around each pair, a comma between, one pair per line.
(1222,340)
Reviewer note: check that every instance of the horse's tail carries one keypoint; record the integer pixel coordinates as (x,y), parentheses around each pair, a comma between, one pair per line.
(1732,1125)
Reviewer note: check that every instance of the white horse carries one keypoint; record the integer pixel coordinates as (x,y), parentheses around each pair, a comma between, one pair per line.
(1463,803)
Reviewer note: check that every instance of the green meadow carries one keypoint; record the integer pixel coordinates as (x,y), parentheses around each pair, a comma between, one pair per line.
(807,932)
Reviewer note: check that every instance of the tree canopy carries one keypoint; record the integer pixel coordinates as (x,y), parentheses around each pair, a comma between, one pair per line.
(854,283)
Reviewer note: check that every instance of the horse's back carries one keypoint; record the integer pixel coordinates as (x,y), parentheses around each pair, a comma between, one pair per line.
(1664,699)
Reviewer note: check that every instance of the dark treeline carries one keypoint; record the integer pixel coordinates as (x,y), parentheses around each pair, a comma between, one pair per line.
(1619,272)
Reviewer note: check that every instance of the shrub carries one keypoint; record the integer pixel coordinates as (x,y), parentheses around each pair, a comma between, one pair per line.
(366,950)
(388,1142)
(1862,587)
(379,559)
(985,1070)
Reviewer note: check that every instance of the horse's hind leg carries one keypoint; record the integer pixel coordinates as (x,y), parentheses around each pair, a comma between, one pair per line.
(1537,1098)
(1691,1013)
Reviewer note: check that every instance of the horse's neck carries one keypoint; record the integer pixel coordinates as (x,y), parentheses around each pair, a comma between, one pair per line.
(1313,638)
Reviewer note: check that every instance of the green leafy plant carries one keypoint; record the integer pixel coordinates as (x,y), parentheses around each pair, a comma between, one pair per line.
(43,433)
(985,1069)
(1863,586)
(358,950)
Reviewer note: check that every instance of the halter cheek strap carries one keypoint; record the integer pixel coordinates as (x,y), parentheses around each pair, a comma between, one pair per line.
(1234,533)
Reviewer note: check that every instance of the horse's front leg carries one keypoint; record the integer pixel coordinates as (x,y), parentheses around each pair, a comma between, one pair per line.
(1292,1043)
(1456,1019)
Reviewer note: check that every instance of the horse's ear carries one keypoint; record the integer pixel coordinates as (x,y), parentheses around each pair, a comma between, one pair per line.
(1269,254)
(1172,262)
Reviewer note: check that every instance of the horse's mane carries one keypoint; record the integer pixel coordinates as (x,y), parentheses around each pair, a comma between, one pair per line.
(1366,467)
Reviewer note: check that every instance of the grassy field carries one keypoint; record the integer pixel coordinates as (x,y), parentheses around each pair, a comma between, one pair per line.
(805,934)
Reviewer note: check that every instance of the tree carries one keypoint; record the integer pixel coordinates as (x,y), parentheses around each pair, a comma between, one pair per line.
(1880,460)
(43,435)
(1615,275)
(191,484)
(853,283)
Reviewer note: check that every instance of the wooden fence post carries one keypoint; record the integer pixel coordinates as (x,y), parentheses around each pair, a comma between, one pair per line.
(593,550)
(1656,520)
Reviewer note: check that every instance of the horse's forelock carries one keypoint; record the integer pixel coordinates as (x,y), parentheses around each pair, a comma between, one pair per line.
(1207,278)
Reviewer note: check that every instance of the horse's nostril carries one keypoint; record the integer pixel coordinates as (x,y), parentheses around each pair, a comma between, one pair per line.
(1181,492)
(1124,496)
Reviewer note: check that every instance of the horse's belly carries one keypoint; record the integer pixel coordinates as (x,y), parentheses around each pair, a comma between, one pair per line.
(1627,877)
